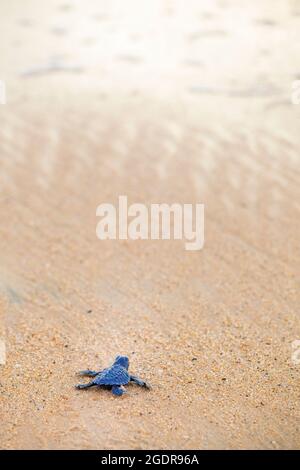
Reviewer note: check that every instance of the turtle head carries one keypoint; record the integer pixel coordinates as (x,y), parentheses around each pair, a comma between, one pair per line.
(122,361)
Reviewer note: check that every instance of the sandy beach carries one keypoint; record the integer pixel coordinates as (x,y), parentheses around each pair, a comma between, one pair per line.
(163,103)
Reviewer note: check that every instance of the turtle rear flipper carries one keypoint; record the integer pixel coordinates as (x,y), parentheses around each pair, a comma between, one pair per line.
(88,373)
(83,386)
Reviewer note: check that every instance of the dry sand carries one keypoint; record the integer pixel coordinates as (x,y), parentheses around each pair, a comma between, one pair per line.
(164,103)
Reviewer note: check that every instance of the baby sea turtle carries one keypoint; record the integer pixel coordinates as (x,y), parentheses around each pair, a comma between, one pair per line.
(114,377)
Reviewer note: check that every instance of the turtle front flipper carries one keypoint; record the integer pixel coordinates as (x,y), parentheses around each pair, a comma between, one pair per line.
(118,390)
(139,382)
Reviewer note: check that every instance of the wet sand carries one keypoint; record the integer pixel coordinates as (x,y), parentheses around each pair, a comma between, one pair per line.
(101,103)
